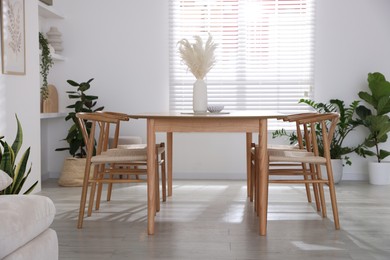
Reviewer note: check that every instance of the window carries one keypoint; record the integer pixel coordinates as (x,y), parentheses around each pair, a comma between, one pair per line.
(264,54)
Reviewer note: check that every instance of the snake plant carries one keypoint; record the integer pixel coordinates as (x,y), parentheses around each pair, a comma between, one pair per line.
(16,170)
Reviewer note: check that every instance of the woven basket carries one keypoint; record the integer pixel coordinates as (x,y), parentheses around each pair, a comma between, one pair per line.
(72,174)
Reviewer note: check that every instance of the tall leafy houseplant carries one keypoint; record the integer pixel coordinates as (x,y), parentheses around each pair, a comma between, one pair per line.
(346,124)
(374,117)
(46,62)
(16,170)
(83,103)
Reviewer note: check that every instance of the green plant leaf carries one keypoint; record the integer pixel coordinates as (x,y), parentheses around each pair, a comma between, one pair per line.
(31,188)
(74,96)
(72,83)
(18,138)
(368,98)
(383,105)
(363,112)
(7,160)
(378,85)
(7,163)
(84,86)
(383,154)
(20,170)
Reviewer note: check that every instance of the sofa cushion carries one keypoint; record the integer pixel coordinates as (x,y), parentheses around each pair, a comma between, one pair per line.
(23,217)
(43,247)
(5,180)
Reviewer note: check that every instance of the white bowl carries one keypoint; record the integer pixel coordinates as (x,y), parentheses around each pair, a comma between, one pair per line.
(215,108)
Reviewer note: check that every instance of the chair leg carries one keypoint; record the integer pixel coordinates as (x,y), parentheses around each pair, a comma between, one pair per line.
(83,198)
(252,183)
(98,196)
(321,191)
(332,193)
(109,188)
(157,187)
(255,191)
(307,185)
(100,188)
(96,175)
(163,176)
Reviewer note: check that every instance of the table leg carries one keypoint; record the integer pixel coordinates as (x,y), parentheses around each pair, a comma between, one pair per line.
(151,177)
(248,164)
(169,161)
(263,176)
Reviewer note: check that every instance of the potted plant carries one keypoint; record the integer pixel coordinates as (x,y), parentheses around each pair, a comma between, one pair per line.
(17,171)
(375,119)
(346,124)
(46,62)
(73,169)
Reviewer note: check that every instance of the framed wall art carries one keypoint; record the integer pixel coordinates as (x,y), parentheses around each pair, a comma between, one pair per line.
(13,50)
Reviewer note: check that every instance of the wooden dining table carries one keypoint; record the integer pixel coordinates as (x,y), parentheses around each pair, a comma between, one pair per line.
(247,122)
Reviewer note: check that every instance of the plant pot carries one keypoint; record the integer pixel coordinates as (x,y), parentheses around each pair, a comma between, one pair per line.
(379,173)
(72,174)
(199,96)
(337,168)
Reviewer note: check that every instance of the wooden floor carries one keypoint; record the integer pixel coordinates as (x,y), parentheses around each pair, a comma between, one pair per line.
(214,220)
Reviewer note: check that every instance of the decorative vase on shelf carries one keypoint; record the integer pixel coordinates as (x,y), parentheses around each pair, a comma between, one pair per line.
(54,38)
(199,96)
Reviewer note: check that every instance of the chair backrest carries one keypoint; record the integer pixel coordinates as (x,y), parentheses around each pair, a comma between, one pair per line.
(97,125)
(315,131)
(119,117)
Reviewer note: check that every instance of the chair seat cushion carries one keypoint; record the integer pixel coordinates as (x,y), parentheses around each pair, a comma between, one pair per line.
(298,156)
(23,217)
(124,154)
(282,147)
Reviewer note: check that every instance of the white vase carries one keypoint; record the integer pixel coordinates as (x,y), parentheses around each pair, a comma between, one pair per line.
(199,96)
(379,173)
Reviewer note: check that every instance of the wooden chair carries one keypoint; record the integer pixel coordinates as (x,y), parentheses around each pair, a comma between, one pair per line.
(296,168)
(110,162)
(129,142)
(309,157)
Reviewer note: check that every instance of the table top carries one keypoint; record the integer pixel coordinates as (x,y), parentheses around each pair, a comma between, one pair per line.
(223,114)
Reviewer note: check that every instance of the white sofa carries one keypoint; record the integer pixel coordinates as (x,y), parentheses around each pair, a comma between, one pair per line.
(25,231)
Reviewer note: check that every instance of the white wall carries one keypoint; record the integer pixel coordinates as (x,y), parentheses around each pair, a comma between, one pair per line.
(124,46)
(20,95)
(352,39)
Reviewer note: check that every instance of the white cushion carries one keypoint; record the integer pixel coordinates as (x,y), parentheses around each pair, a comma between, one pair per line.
(23,217)
(5,180)
(43,247)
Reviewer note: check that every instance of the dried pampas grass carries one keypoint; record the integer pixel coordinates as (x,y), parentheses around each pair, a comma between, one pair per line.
(198,58)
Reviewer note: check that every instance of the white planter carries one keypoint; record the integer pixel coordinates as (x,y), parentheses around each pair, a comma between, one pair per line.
(337,168)
(199,96)
(379,173)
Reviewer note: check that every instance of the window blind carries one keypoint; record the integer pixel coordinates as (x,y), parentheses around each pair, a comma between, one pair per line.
(264,53)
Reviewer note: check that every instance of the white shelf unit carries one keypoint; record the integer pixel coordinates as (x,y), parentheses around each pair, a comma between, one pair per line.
(53,125)
(53,115)
(57,57)
(48,12)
